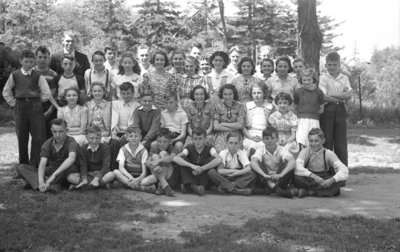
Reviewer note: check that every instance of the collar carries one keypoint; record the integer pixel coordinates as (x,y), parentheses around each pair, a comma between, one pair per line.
(40,71)
(102,71)
(340,76)
(62,143)
(178,110)
(316,152)
(233,104)
(223,73)
(70,109)
(127,104)
(72,53)
(272,154)
(93,149)
(252,105)
(92,104)
(152,108)
(194,76)
(26,72)
(138,149)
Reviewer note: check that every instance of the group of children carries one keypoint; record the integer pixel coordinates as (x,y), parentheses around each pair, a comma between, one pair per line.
(96,141)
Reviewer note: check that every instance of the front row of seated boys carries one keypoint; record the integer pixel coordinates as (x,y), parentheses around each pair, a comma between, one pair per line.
(317,171)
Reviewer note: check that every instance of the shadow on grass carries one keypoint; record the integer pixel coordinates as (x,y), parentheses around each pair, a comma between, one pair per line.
(360,140)
(394,140)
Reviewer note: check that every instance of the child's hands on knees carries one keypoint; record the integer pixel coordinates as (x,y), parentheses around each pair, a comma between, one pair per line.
(327,182)
(95,182)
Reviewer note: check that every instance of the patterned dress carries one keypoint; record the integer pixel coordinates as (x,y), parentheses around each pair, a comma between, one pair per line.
(285,124)
(77,120)
(160,84)
(243,86)
(100,115)
(186,85)
(223,113)
(277,85)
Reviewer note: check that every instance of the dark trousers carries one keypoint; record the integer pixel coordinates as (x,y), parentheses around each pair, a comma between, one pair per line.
(333,123)
(310,184)
(115,145)
(173,181)
(282,183)
(29,119)
(242,181)
(188,177)
(48,123)
(30,174)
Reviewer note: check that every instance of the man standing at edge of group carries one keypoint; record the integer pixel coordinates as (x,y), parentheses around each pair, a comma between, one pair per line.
(69,47)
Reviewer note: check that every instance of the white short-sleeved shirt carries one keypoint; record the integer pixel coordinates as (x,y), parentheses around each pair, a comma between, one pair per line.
(236,161)
(134,78)
(272,160)
(217,79)
(330,85)
(174,121)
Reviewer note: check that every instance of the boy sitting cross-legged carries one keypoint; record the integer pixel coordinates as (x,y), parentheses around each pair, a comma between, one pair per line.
(94,162)
(131,159)
(318,170)
(195,160)
(274,165)
(234,175)
(160,163)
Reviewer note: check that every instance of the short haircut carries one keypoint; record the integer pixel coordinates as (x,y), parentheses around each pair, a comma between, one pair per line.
(131,129)
(125,86)
(267,60)
(43,49)
(135,68)
(147,93)
(58,122)
(159,52)
(309,72)
(284,59)
(206,95)
(270,131)
(234,49)
(75,89)
(68,57)
(204,58)
(99,53)
(70,33)
(264,89)
(177,52)
(94,129)
(109,48)
(246,59)
(233,134)
(193,60)
(142,47)
(299,60)
(316,131)
(332,56)
(231,87)
(27,54)
(198,45)
(199,132)
(224,56)
(283,96)
(98,84)
(164,132)
(170,95)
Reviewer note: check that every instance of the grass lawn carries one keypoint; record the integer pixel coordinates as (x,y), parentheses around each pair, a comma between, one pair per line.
(94,220)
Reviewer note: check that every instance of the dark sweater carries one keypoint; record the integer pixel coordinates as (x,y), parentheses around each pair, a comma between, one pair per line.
(94,161)
(148,122)
(308,102)
(26,85)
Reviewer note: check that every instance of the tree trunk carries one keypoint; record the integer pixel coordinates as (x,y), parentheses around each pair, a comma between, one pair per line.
(309,35)
(222,14)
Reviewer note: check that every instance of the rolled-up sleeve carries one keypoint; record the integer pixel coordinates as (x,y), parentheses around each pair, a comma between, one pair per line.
(45,92)
(8,91)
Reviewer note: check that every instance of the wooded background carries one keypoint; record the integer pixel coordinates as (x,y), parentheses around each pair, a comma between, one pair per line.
(161,24)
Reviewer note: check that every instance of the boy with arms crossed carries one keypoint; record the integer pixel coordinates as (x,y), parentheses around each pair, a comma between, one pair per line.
(195,160)
(234,175)
(274,164)
(318,170)
(132,163)
(160,163)
(337,91)
(57,160)
(94,162)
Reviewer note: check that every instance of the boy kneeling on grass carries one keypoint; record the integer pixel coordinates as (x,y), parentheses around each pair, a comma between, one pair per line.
(274,164)
(234,175)
(319,171)
(194,161)
(160,163)
(57,161)
(132,163)
(94,162)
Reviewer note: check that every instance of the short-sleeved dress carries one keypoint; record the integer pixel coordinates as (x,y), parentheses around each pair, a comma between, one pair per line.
(228,114)
(285,124)
(243,86)
(187,83)
(160,84)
